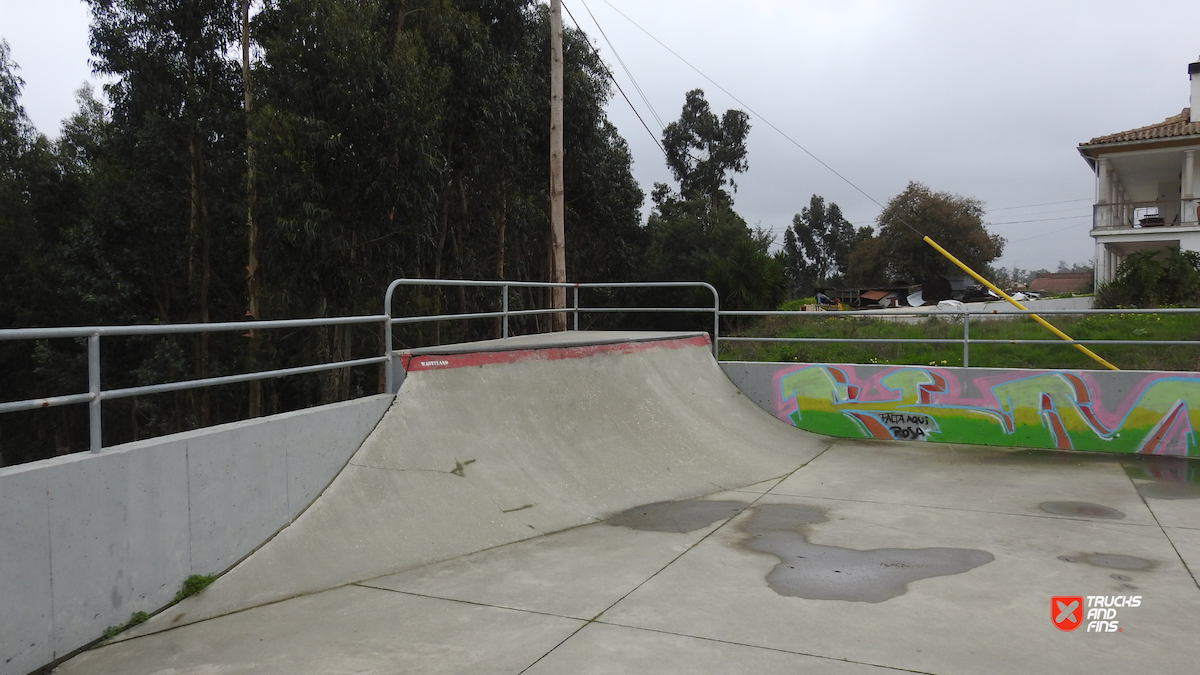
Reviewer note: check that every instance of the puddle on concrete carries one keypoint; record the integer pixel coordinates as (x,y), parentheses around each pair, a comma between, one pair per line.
(1169,490)
(1028,457)
(1112,561)
(1081,510)
(1172,477)
(677,516)
(820,572)
(1160,468)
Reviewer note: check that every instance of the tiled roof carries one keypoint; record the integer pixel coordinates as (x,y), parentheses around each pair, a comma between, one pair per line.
(1172,127)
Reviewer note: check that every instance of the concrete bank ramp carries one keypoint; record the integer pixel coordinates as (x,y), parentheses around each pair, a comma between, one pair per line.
(495,442)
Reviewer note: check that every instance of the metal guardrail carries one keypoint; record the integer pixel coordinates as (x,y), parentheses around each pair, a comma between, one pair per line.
(505,313)
(965,315)
(96,394)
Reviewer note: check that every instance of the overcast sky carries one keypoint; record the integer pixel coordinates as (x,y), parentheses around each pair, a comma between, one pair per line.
(986,99)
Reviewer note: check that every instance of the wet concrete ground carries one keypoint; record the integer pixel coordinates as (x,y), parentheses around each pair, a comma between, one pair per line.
(871,558)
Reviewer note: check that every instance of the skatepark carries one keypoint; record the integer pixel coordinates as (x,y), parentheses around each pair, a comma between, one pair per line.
(612,503)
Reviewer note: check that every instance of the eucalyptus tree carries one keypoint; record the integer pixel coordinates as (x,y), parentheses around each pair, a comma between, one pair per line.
(172,214)
(694,232)
(410,139)
(817,246)
(704,151)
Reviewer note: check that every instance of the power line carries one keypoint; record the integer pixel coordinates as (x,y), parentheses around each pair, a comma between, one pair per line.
(618,84)
(1036,236)
(1040,220)
(1026,206)
(621,61)
(791,140)
(1041,212)
(818,159)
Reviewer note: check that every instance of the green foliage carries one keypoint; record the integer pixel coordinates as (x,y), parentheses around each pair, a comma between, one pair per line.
(1151,278)
(390,138)
(899,253)
(694,234)
(746,277)
(137,618)
(818,244)
(703,151)
(193,585)
(1099,327)
(796,305)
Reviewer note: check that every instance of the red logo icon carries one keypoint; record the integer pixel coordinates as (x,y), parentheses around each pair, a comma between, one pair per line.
(1066,611)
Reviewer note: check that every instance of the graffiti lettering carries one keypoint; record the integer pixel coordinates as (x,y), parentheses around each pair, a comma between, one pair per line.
(907,433)
(1135,412)
(897,418)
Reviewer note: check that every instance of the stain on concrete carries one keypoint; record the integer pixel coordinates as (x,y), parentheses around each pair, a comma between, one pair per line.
(460,467)
(817,572)
(1112,561)
(1081,510)
(677,517)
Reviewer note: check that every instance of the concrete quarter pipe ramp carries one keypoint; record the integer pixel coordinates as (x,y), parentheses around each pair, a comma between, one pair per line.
(614,504)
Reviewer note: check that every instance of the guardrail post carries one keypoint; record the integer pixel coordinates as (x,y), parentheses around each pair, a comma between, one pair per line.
(716,323)
(94,389)
(504,308)
(389,369)
(966,340)
(576,306)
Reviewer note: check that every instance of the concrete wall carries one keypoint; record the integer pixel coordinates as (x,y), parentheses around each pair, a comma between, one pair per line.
(88,539)
(1105,411)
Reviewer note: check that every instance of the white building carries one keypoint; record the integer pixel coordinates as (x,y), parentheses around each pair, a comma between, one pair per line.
(1147,186)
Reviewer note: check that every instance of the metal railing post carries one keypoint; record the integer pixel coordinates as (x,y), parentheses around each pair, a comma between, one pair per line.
(389,369)
(94,420)
(716,322)
(966,340)
(504,308)
(576,306)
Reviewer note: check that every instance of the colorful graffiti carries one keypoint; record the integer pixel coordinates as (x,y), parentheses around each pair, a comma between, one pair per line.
(1128,411)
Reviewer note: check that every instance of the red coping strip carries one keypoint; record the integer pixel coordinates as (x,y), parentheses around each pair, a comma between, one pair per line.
(447,361)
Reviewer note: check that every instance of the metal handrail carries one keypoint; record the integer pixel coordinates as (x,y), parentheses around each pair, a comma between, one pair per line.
(96,394)
(505,313)
(965,314)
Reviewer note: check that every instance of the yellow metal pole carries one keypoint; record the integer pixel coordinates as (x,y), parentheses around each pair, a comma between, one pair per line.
(1014,303)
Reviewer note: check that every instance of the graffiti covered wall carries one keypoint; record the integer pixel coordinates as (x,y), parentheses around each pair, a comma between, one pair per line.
(1106,411)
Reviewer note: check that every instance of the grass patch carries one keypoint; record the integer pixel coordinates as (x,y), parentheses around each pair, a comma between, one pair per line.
(193,585)
(1097,327)
(113,631)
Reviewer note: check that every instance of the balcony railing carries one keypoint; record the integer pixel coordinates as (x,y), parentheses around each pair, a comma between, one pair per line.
(1149,214)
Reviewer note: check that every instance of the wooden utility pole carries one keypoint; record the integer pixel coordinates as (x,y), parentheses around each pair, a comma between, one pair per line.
(254,407)
(558,258)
